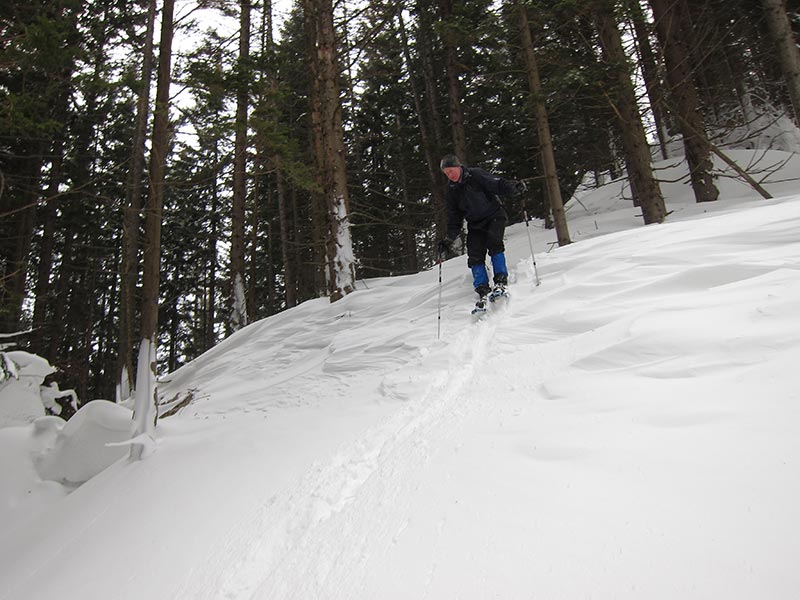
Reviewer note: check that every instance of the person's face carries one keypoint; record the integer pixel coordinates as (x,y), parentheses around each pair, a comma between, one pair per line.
(452,173)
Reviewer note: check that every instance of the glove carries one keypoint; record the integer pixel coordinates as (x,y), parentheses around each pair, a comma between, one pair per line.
(519,187)
(445,245)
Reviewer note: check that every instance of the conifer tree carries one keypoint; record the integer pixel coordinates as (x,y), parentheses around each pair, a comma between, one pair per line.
(40,43)
(650,72)
(146,407)
(543,129)
(132,217)
(331,166)
(237,271)
(623,100)
(673,32)
(427,122)
(450,30)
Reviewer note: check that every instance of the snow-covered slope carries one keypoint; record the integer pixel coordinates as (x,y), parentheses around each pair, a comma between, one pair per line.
(627,429)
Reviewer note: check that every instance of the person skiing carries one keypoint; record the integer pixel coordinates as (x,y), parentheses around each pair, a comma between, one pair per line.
(472,195)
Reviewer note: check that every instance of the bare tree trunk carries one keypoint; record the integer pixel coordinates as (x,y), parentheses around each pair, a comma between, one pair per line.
(634,141)
(319,224)
(146,405)
(132,216)
(453,84)
(788,54)
(329,144)
(672,33)
(543,130)
(239,316)
(290,282)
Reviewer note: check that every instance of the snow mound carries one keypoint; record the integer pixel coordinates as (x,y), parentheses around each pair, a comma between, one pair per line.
(91,441)
(22,492)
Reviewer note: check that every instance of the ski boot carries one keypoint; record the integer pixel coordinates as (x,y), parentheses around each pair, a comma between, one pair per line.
(483,292)
(499,290)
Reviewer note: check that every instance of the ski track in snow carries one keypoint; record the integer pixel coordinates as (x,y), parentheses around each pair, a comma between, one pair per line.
(364,478)
(359,495)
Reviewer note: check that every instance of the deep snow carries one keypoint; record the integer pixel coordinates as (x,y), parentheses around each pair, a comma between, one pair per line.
(627,429)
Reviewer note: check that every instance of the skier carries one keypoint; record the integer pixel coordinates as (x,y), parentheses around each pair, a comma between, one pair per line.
(472,195)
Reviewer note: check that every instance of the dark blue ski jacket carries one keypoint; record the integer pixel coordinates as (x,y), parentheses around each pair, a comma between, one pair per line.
(475,198)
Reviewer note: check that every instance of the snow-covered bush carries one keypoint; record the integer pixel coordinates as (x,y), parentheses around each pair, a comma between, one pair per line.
(66,452)
(23,397)
(21,376)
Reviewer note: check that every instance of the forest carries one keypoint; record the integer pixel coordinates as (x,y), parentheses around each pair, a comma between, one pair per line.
(172,171)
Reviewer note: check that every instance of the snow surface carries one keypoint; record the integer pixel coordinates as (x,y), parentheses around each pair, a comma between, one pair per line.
(627,429)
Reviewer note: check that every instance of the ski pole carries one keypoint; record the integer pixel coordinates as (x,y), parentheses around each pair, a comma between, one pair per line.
(439,307)
(530,240)
(530,243)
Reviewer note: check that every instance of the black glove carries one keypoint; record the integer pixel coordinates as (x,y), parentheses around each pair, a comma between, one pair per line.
(445,245)
(519,187)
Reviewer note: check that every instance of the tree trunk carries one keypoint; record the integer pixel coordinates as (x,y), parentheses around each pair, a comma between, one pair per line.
(332,169)
(453,84)
(12,283)
(428,144)
(290,285)
(271,156)
(652,80)
(543,130)
(84,324)
(788,55)
(672,33)
(239,316)
(41,305)
(62,286)
(132,216)
(254,233)
(623,101)
(209,337)
(319,224)
(408,245)
(146,405)
(424,37)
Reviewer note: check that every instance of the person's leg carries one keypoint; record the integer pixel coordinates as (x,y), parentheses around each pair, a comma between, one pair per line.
(499,268)
(496,248)
(476,260)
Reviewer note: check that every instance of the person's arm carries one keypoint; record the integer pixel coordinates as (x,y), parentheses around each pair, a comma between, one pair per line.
(496,185)
(455,218)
